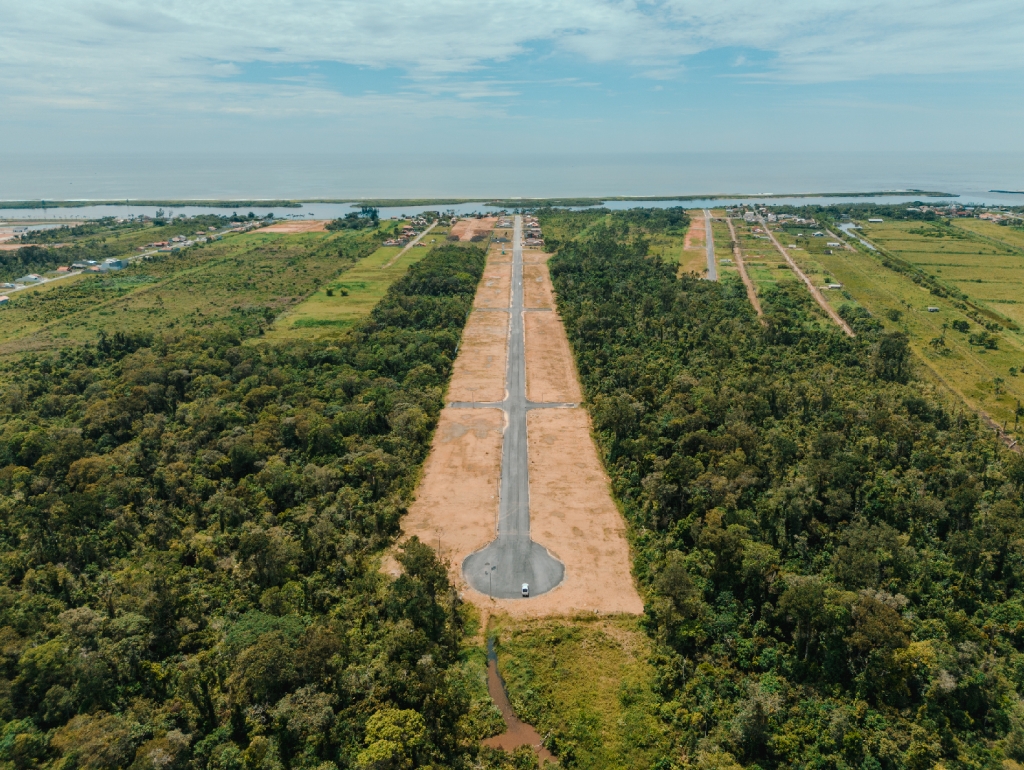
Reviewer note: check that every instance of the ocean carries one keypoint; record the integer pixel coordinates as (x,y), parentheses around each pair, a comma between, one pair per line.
(970,175)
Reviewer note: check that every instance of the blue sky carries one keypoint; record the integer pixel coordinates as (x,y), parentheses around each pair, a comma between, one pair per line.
(452,75)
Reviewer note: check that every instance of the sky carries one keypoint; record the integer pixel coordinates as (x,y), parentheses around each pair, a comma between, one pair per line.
(553,76)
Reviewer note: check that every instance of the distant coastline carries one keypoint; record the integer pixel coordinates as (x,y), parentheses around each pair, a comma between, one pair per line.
(494,202)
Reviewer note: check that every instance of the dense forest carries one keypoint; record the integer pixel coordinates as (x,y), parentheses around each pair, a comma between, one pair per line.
(190,543)
(833,556)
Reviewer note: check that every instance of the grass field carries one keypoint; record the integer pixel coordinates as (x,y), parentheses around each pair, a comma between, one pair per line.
(588,683)
(723,251)
(354,292)
(250,278)
(983,376)
(766,267)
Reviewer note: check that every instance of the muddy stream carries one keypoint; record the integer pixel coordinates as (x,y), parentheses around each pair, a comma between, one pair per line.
(517,733)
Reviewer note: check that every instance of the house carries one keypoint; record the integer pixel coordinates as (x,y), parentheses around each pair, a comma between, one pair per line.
(30,278)
(62,269)
(933,310)
(834,244)
(876,219)
(818,235)
(113,263)
(4,300)
(833,286)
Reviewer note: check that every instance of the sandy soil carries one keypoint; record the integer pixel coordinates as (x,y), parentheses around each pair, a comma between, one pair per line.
(533,256)
(465,229)
(573,516)
(12,246)
(537,290)
(301,226)
(458,493)
(696,237)
(479,371)
(550,371)
(495,285)
(571,510)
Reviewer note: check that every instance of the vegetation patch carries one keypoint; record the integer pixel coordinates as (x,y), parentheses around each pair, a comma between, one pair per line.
(190,542)
(829,548)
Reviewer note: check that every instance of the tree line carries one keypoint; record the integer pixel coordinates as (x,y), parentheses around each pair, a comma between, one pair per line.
(832,553)
(190,542)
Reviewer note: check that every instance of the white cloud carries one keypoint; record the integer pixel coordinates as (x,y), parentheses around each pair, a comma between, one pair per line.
(136,55)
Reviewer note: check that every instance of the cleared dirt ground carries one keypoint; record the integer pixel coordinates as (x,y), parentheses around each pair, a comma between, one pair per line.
(537,291)
(495,285)
(533,256)
(693,259)
(302,226)
(573,516)
(479,371)
(571,510)
(696,237)
(465,229)
(458,494)
(550,371)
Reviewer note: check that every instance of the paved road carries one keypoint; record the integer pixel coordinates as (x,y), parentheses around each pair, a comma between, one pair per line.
(500,568)
(710,238)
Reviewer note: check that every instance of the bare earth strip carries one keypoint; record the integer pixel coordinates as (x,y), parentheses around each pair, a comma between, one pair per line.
(695,236)
(479,371)
(467,229)
(550,373)
(291,228)
(535,256)
(573,516)
(495,285)
(571,510)
(537,291)
(457,499)
(737,255)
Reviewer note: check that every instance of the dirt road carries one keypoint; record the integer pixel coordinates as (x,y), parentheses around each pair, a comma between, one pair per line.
(737,255)
(814,290)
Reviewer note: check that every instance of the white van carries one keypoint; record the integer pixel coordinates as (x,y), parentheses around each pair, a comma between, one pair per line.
(526,589)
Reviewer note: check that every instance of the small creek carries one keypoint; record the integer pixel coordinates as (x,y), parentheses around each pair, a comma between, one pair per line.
(517,733)
(849,227)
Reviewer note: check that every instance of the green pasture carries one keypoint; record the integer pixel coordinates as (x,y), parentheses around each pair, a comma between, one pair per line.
(245,279)
(723,250)
(765,265)
(352,294)
(589,683)
(975,257)
(1011,235)
(980,375)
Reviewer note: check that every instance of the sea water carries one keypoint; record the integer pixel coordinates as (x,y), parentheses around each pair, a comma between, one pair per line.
(971,176)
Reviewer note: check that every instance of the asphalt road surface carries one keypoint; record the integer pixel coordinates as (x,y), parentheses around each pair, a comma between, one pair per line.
(710,238)
(500,568)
